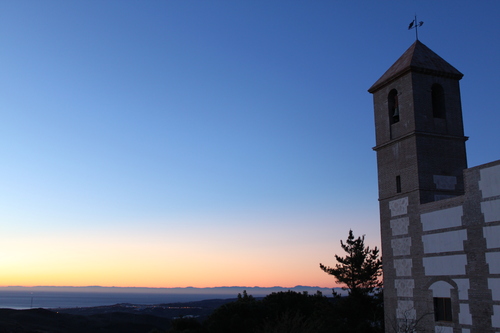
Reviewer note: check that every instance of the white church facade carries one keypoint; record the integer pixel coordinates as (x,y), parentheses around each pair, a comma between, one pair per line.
(440,221)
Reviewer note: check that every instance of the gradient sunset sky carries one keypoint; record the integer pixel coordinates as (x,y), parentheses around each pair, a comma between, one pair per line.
(209,143)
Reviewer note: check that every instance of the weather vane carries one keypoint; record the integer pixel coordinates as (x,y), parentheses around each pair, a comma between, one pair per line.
(414,25)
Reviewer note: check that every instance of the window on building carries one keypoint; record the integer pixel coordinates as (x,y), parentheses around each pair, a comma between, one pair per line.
(398,184)
(442,309)
(393,106)
(438,107)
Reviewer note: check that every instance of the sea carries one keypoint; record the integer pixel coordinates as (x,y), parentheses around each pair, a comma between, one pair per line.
(21,300)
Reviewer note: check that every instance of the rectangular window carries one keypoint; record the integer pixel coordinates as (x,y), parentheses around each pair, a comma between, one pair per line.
(398,184)
(442,309)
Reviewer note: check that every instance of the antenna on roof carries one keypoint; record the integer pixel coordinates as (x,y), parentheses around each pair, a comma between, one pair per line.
(414,25)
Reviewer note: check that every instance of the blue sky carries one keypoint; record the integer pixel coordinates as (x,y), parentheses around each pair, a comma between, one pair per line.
(186,139)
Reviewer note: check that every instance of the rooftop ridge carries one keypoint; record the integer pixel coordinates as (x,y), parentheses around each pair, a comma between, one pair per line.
(417,58)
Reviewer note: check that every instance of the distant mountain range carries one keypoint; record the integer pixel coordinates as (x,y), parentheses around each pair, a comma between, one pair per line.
(230,291)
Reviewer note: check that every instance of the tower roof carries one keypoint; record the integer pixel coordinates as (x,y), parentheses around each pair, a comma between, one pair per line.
(418,58)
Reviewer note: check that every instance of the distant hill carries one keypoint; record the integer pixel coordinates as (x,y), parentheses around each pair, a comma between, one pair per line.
(229,291)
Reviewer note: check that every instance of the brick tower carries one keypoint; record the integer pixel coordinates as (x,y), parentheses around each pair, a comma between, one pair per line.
(420,146)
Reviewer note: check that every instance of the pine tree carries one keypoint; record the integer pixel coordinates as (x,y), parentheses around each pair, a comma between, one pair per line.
(360,269)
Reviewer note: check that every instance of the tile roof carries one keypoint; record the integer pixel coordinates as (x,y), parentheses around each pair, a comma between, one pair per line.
(418,58)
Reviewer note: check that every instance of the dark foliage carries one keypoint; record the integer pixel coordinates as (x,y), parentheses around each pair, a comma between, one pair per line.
(359,313)
(297,312)
(243,316)
(289,312)
(185,325)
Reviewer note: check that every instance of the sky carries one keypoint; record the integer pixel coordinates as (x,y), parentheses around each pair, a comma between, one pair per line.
(209,143)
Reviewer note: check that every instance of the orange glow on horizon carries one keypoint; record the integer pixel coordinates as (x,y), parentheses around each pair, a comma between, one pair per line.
(120,263)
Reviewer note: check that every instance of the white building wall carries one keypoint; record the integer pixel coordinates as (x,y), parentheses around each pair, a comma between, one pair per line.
(444,253)
(490,181)
(403,267)
(463,286)
(445,265)
(445,241)
(440,219)
(401,246)
(399,206)
(400,226)
(464,317)
(493,261)
(406,310)
(491,210)
(495,319)
(494,285)
(492,235)
(443,329)
(404,287)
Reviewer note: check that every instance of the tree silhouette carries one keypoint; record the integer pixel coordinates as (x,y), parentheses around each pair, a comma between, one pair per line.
(244,315)
(360,269)
(280,312)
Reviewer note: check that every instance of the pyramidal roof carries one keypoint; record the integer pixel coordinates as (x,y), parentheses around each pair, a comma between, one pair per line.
(418,58)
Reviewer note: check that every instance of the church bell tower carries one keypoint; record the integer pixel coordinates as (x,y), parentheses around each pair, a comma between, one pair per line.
(420,140)
(420,146)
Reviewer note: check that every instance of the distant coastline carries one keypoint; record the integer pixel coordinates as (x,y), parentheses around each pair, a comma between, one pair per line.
(232,290)
(17,297)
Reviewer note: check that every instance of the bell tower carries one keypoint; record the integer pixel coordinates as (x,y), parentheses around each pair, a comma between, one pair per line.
(420,140)
(420,146)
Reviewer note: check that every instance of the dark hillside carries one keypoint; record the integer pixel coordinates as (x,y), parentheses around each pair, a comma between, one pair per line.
(105,319)
(198,309)
(41,320)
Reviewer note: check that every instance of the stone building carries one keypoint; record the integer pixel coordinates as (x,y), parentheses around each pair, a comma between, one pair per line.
(440,221)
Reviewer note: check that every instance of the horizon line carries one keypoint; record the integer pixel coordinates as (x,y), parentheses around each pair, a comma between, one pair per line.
(187,287)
